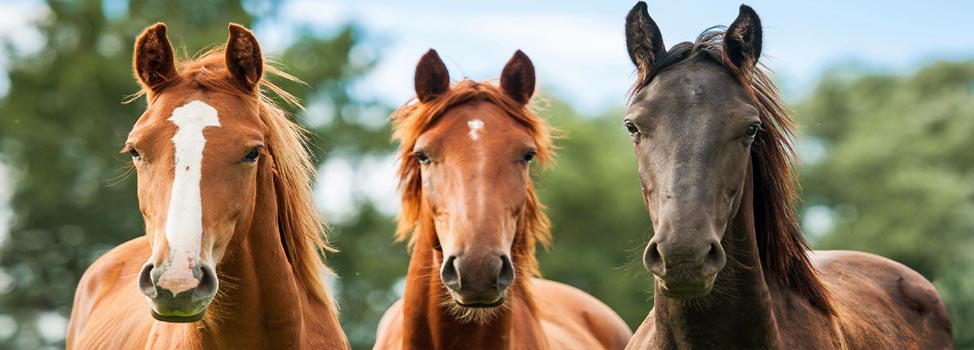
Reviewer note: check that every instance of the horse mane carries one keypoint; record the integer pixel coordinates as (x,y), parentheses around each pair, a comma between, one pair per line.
(782,247)
(414,118)
(302,230)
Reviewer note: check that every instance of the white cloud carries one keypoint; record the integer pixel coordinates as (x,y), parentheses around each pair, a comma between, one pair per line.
(17,31)
(310,11)
(15,24)
(579,47)
(578,56)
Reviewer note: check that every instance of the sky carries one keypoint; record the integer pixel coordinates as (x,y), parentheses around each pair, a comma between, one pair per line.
(578,48)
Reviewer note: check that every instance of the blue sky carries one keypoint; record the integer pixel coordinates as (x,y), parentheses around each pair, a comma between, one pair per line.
(579,46)
(579,49)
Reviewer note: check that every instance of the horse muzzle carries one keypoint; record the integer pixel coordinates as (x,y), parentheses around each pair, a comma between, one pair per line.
(477,283)
(178,296)
(685,272)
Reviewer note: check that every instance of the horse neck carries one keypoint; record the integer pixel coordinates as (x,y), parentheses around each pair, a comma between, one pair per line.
(428,325)
(738,313)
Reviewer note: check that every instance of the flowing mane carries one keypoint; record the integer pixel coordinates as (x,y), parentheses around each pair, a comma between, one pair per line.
(414,118)
(302,229)
(782,247)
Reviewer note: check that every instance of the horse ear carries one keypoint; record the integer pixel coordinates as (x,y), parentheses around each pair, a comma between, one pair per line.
(742,41)
(432,79)
(154,62)
(643,38)
(517,79)
(243,57)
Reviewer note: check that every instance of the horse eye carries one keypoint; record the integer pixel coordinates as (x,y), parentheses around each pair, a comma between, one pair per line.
(252,155)
(423,158)
(135,154)
(529,156)
(752,130)
(631,127)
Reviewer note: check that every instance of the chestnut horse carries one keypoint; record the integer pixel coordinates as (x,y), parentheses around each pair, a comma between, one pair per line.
(712,142)
(224,189)
(472,219)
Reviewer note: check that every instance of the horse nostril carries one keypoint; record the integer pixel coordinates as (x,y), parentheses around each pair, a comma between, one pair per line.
(449,275)
(506,275)
(715,258)
(146,284)
(653,259)
(207,286)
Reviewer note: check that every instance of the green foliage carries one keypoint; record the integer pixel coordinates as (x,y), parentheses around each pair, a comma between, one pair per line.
(369,262)
(898,174)
(600,226)
(369,266)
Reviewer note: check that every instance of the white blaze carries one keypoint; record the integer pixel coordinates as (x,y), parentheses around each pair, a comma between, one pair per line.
(475,128)
(184,222)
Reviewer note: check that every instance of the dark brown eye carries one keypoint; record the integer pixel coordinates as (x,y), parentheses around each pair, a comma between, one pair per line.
(631,127)
(134,153)
(252,156)
(752,130)
(423,158)
(528,157)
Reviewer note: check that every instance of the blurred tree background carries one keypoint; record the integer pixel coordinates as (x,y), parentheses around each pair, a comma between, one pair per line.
(889,169)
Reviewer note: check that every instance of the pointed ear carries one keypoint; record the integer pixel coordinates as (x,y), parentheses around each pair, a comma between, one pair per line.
(517,79)
(742,41)
(432,79)
(154,62)
(643,39)
(243,57)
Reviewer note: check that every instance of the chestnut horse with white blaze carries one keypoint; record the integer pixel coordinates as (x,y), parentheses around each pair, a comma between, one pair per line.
(472,219)
(731,266)
(231,254)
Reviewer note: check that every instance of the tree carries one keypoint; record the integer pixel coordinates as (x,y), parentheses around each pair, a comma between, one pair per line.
(600,225)
(368,264)
(897,175)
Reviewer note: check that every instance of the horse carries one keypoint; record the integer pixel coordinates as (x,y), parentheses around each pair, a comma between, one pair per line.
(231,256)
(473,220)
(731,267)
